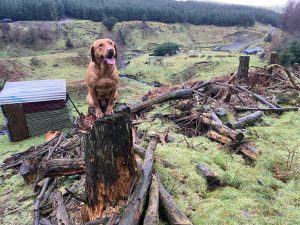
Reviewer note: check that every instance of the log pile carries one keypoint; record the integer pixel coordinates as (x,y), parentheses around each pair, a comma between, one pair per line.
(100,153)
(104,196)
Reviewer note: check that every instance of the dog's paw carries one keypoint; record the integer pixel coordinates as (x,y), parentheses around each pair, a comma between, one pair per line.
(109,111)
(99,114)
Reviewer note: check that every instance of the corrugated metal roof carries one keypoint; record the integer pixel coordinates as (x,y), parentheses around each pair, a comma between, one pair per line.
(33,91)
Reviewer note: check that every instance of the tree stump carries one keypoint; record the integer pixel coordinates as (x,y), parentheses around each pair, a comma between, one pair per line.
(110,164)
(243,68)
(274,59)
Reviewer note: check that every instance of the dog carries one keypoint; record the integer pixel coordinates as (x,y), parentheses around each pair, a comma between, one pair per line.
(102,77)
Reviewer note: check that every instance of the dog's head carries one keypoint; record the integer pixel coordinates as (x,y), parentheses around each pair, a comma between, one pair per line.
(104,50)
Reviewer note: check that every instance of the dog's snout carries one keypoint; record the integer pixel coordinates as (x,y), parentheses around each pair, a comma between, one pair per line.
(110,52)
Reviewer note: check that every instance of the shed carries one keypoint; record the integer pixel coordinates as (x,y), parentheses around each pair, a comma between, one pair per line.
(33,108)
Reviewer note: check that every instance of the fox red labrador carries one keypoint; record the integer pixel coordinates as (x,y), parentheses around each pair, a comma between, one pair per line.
(102,77)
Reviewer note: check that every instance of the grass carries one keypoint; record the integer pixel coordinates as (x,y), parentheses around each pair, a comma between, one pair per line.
(14,192)
(64,69)
(16,195)
(210,63)
(144,36)
(251,195)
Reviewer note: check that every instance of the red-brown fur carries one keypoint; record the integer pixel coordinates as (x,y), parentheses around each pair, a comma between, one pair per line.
(102,78)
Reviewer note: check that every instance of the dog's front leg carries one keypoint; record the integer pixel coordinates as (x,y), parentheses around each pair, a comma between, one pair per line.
(109,110)
(99,113)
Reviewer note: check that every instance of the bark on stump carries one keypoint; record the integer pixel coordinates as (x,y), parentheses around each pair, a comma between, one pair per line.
(243,68)
(274,58)
(110,163)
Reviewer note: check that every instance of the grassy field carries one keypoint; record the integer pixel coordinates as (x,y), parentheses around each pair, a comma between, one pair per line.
(251,194)
(202,64)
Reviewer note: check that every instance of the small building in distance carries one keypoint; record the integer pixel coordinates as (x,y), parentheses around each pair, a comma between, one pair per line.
(32,108)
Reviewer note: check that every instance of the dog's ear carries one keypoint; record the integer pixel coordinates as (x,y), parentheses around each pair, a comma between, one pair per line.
(116,51)
(93,53)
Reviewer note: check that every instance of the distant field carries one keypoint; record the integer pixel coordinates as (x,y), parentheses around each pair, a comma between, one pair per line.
(175,69)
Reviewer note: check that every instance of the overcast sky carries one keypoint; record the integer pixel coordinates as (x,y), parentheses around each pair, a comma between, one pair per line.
(254,2)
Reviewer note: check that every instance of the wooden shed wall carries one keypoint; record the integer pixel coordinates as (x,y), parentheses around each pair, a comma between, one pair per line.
(22,125)
(16,123)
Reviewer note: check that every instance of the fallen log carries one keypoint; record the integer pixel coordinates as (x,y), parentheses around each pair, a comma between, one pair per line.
(245,120)
(61,212)
(36,207)
(236,136)
(201,85)
(62,167)
(173,213)
(140,151)
(215,117)
(33,152)
(287,72)
(110,164)
(174,95)
(48,193)
(152,216)
(101,221)
(219,137)
(212,178)
(28,170)
(249,151)
(45,221)
(212,115)
(52,168)
(258,97)
(243,109)
(134,209)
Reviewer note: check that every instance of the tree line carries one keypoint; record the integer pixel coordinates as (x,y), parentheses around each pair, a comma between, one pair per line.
(167,11)
(291,17)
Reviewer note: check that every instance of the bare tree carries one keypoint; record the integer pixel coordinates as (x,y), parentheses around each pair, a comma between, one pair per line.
(291,17)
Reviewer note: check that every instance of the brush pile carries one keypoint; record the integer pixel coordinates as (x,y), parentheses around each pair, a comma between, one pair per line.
(199,109)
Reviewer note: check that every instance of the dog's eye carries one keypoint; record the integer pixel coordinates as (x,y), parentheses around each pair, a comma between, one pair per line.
(101,45)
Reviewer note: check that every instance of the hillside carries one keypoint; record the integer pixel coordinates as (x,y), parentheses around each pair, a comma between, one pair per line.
(38,58)
(167,11)
(251,195)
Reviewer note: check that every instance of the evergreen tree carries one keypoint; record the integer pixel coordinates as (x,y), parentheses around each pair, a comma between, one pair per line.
(167,11)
